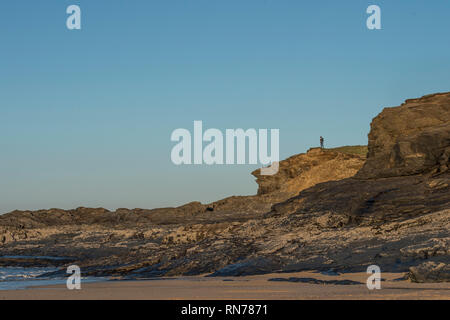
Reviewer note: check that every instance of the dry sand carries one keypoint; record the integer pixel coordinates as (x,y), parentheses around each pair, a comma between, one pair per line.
(249,287)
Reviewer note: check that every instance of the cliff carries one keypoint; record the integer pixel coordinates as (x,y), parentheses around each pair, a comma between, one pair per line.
(312,215)
(302,171)
(410,139)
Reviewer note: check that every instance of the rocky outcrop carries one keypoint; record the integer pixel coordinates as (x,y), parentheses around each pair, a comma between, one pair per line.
(312,215)
(410,139)
(302,171)
(404,179)
(405,174)
(430,272)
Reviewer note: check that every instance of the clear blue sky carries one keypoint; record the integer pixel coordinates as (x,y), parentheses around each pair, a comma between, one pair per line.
(86,116)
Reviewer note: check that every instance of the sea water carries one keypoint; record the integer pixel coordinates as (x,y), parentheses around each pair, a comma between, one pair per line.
(14,278)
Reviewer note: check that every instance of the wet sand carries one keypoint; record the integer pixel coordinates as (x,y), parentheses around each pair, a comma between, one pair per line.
(234,288)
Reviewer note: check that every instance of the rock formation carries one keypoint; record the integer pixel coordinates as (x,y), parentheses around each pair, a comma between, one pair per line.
(313,215)
(411,139)
(405,174)
(302,171)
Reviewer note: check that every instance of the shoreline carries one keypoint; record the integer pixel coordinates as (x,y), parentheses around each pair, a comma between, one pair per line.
(257,287)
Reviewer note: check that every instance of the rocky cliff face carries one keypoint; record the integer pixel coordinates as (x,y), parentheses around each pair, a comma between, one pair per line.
(406,171)
(302,171)
(312,215)
(410,139)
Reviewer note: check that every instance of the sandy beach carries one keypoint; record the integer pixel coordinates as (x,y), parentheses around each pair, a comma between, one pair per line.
(249,287)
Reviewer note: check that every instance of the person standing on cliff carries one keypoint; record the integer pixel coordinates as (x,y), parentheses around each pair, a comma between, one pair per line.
(321,142)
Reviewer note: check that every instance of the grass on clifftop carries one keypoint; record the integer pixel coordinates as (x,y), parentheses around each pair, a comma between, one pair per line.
(359,150)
